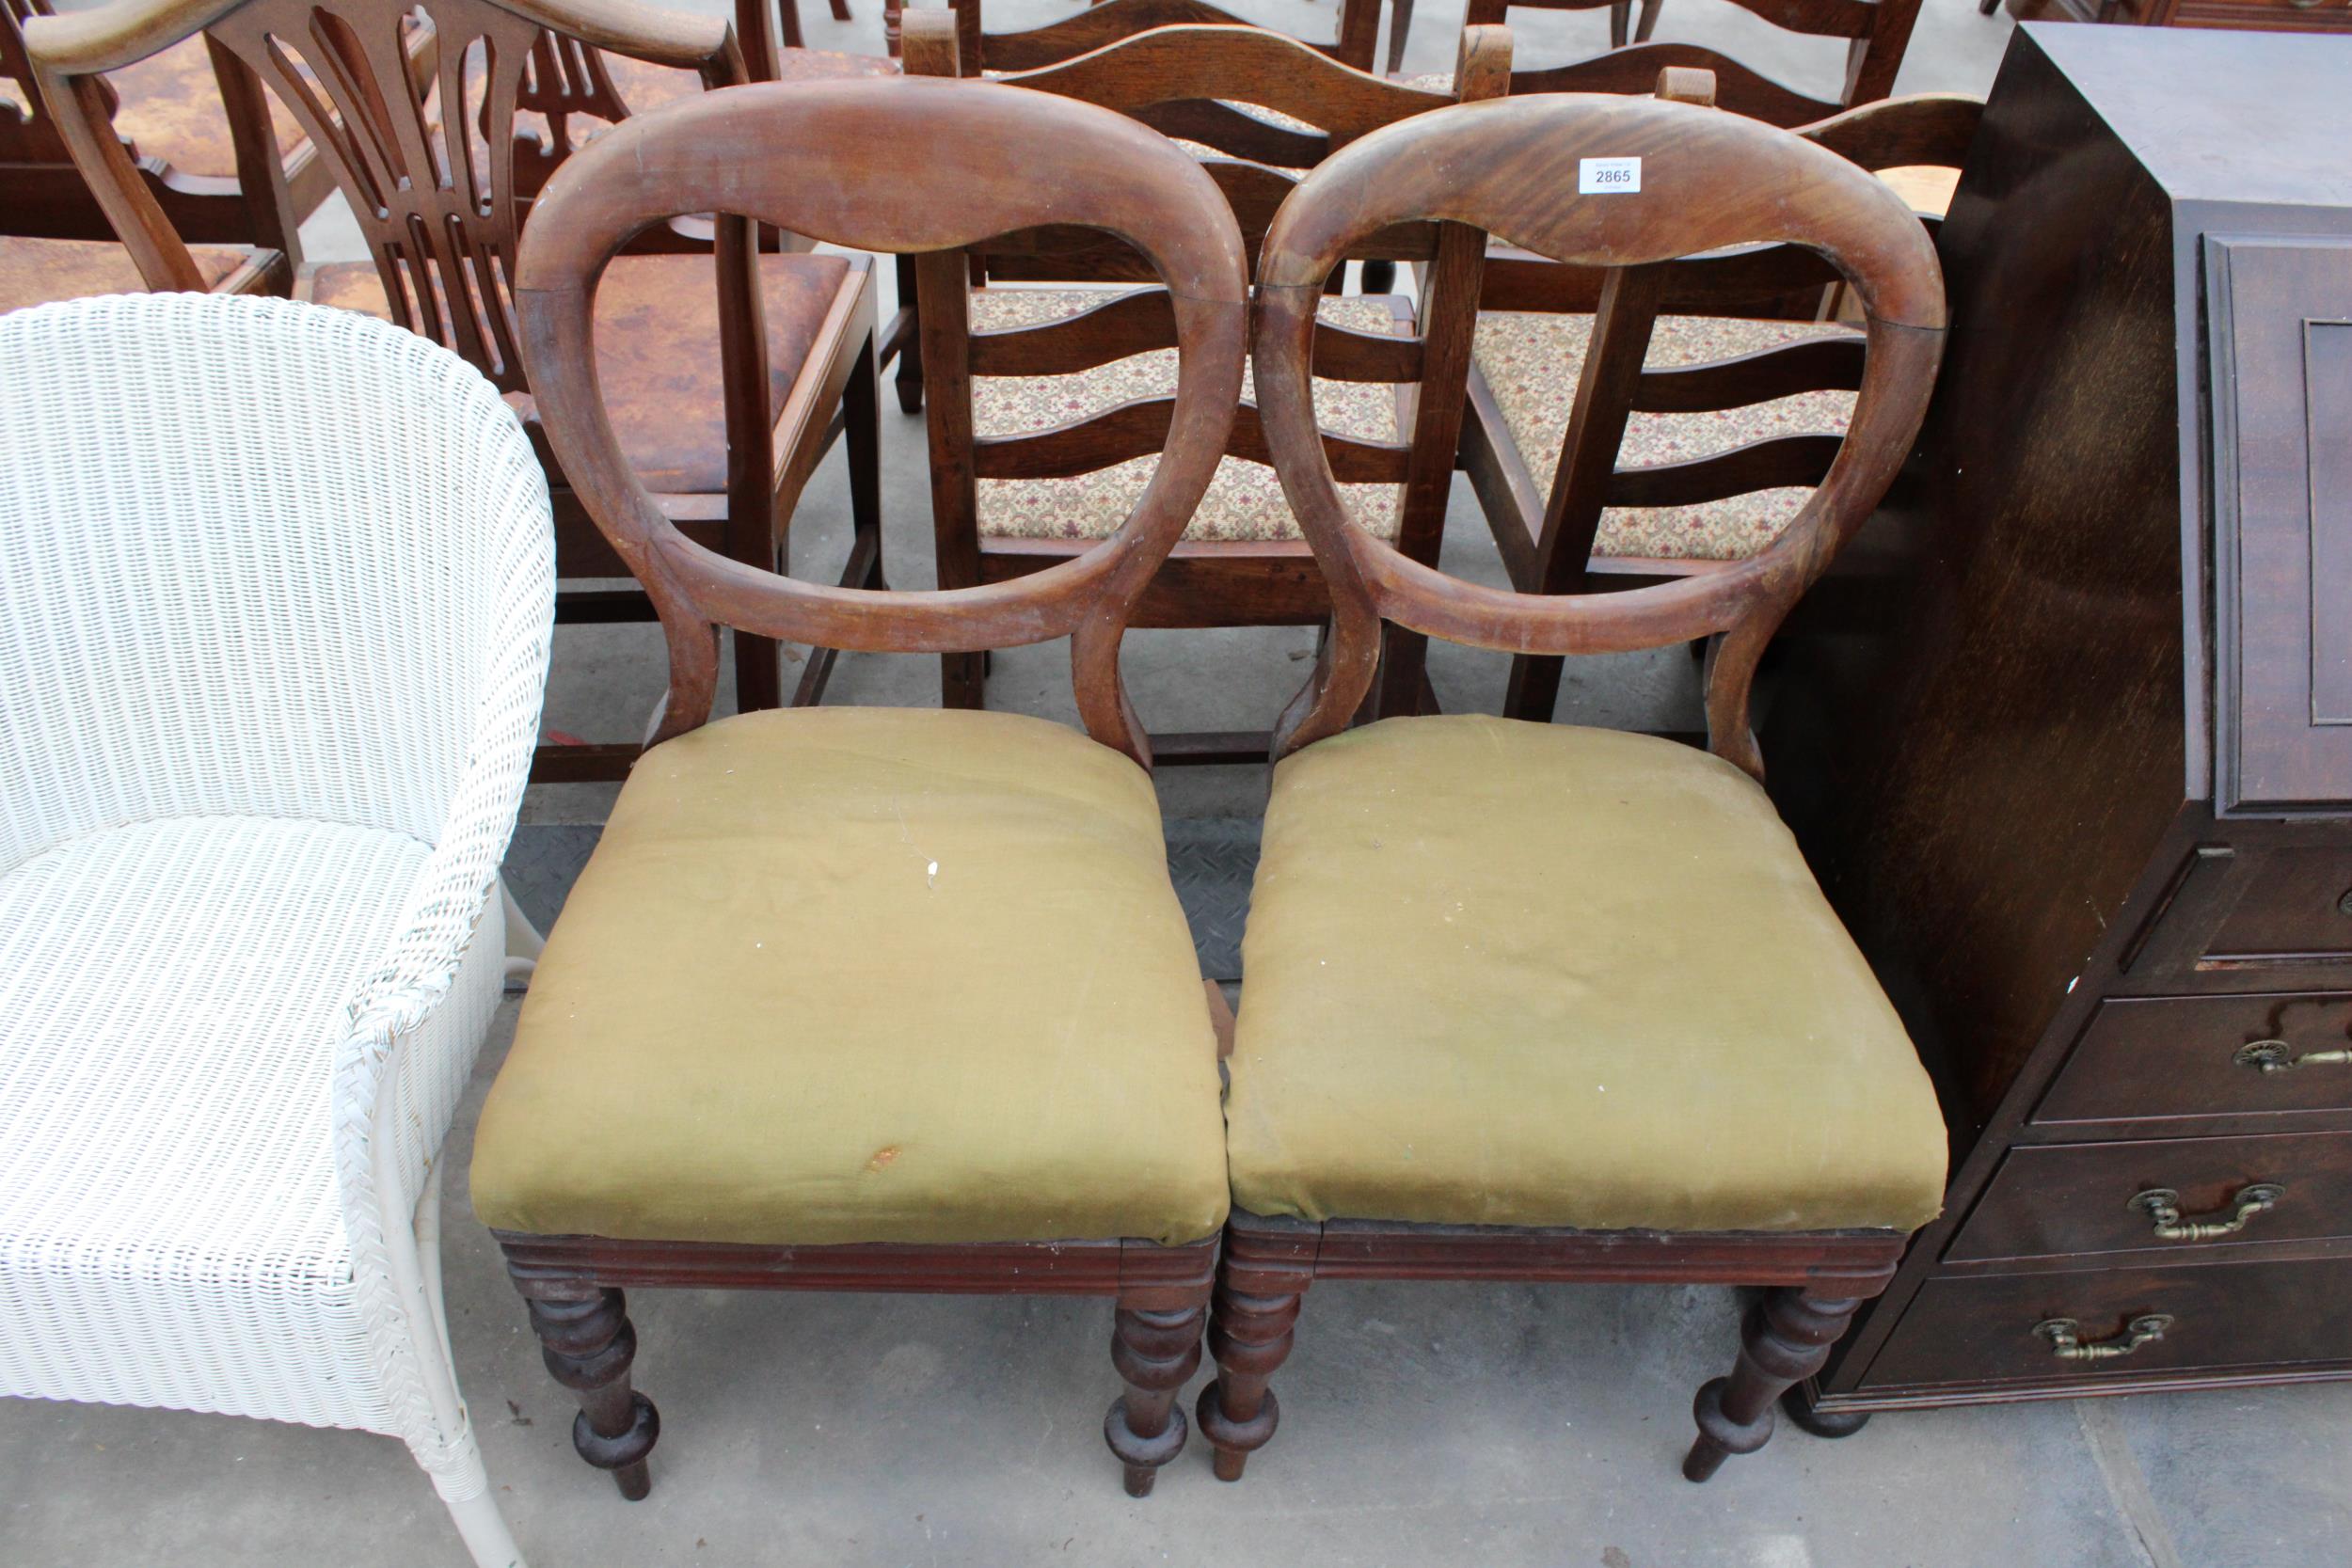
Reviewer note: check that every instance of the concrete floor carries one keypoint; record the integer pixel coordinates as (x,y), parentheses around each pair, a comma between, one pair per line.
(1423,1424)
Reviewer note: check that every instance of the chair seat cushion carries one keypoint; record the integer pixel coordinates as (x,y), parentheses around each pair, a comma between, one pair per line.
(36,272)
(866,974)
(1531,363)
(1245,498)
(658,350)
(1530,975)
(171,995)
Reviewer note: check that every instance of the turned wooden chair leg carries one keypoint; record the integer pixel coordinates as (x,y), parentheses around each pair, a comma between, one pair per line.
(1649,23)
(1157,1352)
(1784,1341)
(588,1343)
(1251,1336)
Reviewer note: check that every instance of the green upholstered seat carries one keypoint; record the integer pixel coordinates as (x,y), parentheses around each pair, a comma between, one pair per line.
(1530,975)
(866,974)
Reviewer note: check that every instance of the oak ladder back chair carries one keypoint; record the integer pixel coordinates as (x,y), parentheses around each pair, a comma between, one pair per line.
(276,612)
(226,163)
(979,53)
(1662,1057)
(799,916)
(1044,481)
(1749,383)
(426,179)
(1877,32)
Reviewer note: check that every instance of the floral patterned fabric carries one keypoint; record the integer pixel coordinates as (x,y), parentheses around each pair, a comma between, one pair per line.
(1245,500)
(1531,363)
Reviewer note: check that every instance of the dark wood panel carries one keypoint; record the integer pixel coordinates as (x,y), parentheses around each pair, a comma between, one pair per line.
(1969,1330)
(2085,1199)
(2145,1058)
(2282,532)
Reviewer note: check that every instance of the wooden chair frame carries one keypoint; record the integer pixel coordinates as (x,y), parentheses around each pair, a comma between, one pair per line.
(442,245)
(982,144)
(1620,20)
(1510,168)
(1173,78)
(978,51)
(262,204)
(1547,541)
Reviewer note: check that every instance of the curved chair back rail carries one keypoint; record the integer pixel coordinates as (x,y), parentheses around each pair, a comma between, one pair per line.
(441,226)
(978,175)
(1065,37)
(1708,180)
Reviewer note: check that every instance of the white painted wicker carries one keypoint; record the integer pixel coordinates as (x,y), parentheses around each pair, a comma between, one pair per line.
(276,588)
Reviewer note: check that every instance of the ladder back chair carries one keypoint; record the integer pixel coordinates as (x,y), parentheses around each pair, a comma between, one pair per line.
(275,585)
(725,393)
(1662,1057)
(1876,32)
(777,1039)
(1069,385)
(1620,23)
(979,53)
(1703,458)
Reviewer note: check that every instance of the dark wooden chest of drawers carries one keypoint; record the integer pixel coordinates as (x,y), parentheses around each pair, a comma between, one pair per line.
(2078,771)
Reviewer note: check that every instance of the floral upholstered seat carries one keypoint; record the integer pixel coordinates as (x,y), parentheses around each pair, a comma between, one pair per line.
(1533,362)
(1245,500)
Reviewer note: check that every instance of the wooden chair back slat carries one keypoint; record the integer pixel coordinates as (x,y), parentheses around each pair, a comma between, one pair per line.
(1236,133)
(1131,323)
(848,180)
(1709,180)
(1768,464)
(1815,365)
(1140,428)
(1740,88)
(1358,26)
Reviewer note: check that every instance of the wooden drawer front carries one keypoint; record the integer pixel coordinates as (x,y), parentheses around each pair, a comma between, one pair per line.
(2296,906)
(1961,1330)
(2046,1202)
(2147,1058)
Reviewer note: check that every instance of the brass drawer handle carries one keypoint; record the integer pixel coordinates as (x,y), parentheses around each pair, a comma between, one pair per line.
(2162,1206)
(2270,1057)
(2066,1338)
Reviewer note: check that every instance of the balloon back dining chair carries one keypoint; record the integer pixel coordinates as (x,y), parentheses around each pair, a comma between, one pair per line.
(1536,1002)
(780,1039)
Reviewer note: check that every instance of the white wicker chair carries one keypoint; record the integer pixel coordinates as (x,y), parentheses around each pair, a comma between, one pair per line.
(275,587)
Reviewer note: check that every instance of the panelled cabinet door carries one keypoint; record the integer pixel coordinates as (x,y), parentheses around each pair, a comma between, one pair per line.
(2280,323)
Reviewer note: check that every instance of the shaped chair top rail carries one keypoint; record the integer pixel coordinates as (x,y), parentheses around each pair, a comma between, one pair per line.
(993,159)
(121,33)
(1709,179)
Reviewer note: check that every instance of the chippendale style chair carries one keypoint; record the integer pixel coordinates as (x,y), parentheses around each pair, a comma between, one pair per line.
(275,594)
(1064,434)
(1533,1001)
(778,1038)
(725,393)
(224,162)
